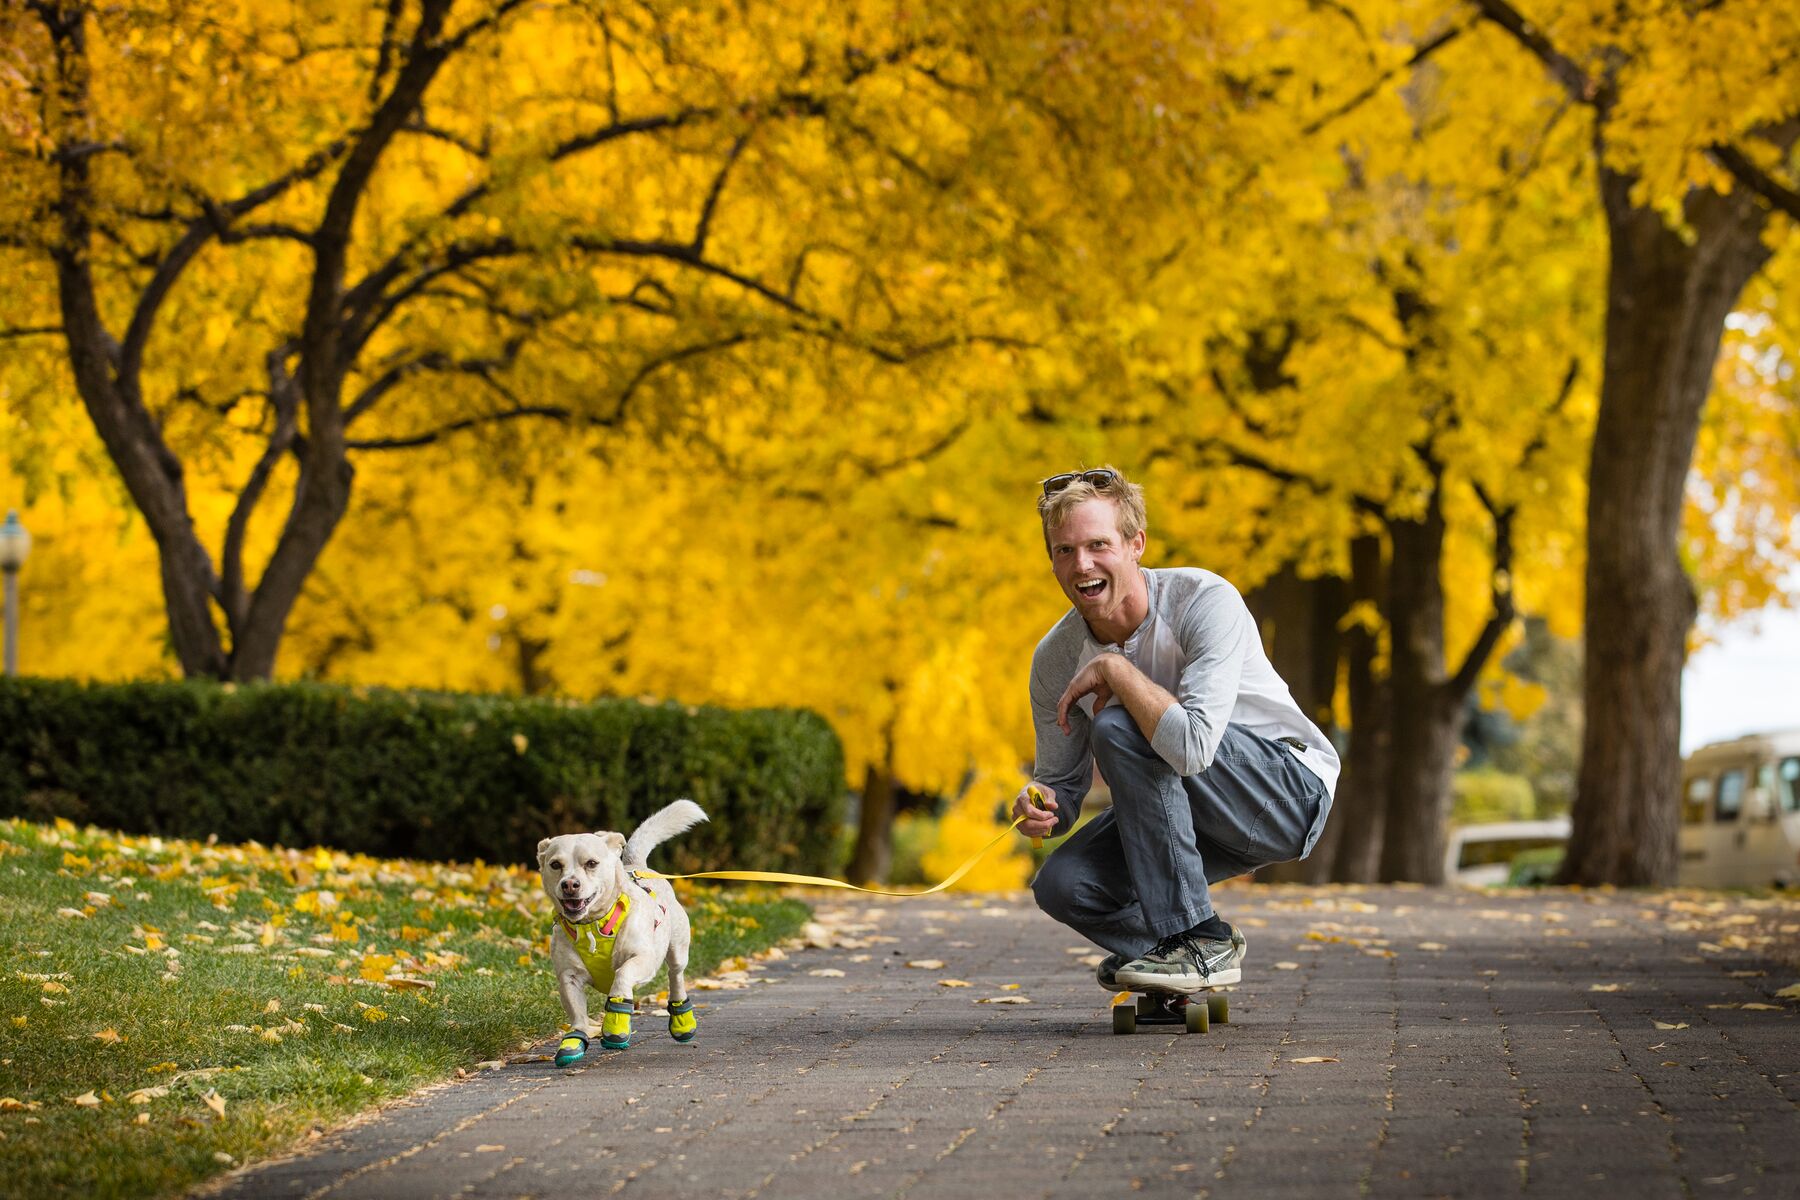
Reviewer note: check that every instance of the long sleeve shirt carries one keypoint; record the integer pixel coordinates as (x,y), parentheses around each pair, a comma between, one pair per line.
(1199,644)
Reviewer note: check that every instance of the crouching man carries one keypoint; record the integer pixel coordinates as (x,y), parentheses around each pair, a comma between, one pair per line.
(1160,678)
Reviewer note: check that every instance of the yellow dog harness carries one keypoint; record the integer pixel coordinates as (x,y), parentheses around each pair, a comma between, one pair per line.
(593,940)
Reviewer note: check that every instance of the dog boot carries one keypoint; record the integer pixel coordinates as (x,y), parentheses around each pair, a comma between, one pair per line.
(572,1049)
(682,1021)
(615,1027)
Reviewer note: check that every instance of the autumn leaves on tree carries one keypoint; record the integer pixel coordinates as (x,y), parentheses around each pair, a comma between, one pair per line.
(489,345)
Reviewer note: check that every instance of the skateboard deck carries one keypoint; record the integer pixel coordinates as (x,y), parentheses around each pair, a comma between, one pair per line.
(1194,1012)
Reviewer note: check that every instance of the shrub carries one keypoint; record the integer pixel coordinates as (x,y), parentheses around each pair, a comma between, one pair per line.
(422,775)
(1483,795)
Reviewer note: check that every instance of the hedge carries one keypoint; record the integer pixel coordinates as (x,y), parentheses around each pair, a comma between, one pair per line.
(418,775)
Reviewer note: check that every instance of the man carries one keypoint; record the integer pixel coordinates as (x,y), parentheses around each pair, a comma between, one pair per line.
(1159,677)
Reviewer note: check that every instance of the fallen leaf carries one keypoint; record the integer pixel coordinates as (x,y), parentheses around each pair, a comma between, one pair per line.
(826,973)
(1312,1059)
(1009,987)
(1004,1000)
(9,1104)
(953,983)
(1606,987)
(54,988)
(1431,945)
(109,1036)
(1790,993)
(1764,1007)
(86,1100)
(141,1119)
(488,1148)
(927,964)
(1287,966)
(214,1101)
(146,1095)
(1666,1025)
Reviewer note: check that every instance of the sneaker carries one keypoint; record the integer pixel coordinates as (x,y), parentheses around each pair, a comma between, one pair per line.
(1242,944)
(1181,963)
(1107,971)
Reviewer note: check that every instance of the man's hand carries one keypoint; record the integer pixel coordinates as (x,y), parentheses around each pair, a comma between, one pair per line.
(1039,821)
(1093,680)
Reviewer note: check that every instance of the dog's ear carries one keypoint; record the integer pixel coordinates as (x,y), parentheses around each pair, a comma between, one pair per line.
(542,847)
(615,840)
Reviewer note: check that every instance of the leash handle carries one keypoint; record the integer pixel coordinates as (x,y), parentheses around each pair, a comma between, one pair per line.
(1037,797)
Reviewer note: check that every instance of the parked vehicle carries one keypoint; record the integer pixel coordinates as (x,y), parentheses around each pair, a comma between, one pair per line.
(1740,813)
(1482,855)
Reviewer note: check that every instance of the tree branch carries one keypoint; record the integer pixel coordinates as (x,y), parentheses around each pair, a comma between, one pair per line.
(1564,69)
(424,439)
(1754,179)
(1420,53)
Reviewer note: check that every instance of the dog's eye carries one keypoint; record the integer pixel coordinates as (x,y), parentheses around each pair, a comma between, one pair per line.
(592,864)
(555,864)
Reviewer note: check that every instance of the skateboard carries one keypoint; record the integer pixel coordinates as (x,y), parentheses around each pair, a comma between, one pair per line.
(1156,1006)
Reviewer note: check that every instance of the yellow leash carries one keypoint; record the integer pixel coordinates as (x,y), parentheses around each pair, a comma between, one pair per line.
(819,881)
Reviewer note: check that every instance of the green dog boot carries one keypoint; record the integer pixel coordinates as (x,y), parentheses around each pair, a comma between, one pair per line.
(615,1026)
(572,1049)
(682,1021)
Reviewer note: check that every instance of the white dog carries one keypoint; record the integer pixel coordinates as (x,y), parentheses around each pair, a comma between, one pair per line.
(614,927)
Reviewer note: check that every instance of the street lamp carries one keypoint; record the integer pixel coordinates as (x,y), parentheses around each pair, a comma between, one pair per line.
(15,546)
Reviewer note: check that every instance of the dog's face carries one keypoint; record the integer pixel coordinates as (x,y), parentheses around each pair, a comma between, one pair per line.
(578,867)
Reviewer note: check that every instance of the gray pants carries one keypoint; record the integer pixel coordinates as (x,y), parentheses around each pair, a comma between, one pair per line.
(1140,871)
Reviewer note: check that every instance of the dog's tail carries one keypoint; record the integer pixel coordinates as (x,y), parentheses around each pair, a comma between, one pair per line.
(660,827)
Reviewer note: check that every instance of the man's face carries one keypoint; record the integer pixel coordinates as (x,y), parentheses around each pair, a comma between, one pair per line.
(1098,570)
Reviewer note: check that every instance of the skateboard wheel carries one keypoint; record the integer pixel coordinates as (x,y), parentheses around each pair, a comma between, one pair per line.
(1124,1018)
(1147,1006)
(1218,1008)
(1195,1015)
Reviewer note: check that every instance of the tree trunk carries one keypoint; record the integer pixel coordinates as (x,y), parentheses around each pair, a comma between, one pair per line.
(1424,722)
(1359,810)
(874,829)
(1298,619)
(1667,300)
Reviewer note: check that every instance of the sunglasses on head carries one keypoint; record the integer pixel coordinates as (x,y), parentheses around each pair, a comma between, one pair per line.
(1100,478)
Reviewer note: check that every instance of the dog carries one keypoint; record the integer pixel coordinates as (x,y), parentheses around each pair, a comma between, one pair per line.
(613,928)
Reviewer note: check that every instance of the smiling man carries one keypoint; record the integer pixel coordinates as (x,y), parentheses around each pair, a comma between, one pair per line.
(1158,676)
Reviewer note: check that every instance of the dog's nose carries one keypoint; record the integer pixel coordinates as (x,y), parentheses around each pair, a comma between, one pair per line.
(571,886)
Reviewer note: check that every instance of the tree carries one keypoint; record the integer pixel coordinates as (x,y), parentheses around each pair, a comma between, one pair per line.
(1693,165)
(517,203)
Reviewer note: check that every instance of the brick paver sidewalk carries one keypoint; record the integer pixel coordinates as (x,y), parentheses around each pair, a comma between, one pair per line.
(1555,1044)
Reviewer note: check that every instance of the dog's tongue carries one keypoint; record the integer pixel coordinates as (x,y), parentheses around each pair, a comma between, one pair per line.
(571,907)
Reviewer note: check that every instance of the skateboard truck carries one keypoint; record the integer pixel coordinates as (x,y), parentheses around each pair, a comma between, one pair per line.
(1157,1007)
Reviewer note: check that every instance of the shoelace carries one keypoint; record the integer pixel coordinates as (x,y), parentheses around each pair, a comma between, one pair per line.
(1183,941)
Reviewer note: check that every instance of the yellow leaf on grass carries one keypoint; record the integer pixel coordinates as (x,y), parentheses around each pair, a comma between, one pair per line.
(85,1100)
(375,966)
(214,1101)
(9,1104)
(152,942)
(344,932)
(321,859)
(953,983)
(110,1036)
(53,988)
(20,1022)
(161,1067)
(373,1014)
(1313,1059)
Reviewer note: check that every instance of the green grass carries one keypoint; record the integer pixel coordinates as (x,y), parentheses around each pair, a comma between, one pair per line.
(168,980)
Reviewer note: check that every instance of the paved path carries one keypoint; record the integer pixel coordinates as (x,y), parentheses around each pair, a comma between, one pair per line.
(1484,1046)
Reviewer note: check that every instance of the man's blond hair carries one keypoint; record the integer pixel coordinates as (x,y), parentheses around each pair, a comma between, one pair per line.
(1127,498)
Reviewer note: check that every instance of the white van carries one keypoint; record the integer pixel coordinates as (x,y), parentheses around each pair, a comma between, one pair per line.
(1740,813)
(1482,855)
